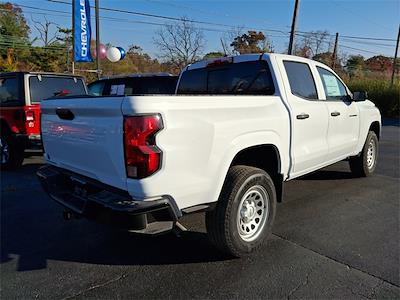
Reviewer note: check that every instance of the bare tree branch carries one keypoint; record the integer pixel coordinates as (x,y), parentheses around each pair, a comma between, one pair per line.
(180,43)
(44,31)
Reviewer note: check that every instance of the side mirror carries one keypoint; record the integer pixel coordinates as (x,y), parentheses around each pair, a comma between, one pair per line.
(360,96)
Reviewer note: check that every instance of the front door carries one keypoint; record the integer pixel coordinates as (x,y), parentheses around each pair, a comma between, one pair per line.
(343,116)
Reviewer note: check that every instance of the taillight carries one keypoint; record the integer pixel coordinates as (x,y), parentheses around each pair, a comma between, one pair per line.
(142,156)
(29,115)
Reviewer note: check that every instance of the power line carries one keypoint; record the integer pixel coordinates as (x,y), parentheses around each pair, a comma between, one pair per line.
(341,45)
(195,21)
(143,14)
(367,43)
(361,50)
(67,14)
(283,34)
(368,38)
(363,17)
(206,12)
(351,36)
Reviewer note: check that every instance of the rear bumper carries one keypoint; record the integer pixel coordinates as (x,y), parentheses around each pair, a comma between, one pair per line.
(32,141)
(105,204)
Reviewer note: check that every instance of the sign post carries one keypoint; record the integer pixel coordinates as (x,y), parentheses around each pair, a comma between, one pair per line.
(97,39)
(73,37)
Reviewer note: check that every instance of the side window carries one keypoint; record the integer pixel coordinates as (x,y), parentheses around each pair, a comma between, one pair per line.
(9,93)
(334,88)
(301,80)
(96,88)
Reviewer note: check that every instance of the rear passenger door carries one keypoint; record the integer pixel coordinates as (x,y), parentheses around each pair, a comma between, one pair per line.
(343,116)
(309,117)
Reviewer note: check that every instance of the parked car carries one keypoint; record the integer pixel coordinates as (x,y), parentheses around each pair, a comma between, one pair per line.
(20,96)
(238,128)
(135,84)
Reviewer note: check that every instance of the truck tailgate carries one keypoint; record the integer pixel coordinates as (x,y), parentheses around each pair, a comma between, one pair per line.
(84,135)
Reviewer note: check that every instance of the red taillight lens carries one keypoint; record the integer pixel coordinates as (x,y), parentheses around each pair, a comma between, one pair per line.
(142,156)
(30,115)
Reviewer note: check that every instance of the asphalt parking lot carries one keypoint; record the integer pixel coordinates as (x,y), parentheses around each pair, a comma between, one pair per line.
(334,237)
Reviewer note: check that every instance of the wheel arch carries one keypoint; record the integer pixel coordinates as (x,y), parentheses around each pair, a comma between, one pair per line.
(266,157)
(376,127)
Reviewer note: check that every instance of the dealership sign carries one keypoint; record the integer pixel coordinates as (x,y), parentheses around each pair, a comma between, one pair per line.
(82,32)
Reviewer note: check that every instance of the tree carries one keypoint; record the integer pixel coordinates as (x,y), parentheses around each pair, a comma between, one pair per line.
(213,55)
(44,31)
(180,43)
(13,22)
(355,65)
(379,63)
(325,58)
(228,37)
(312,43)
(14,36)
(251,42)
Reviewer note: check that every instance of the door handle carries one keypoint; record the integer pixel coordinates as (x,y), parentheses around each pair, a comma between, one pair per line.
(335,114)
(65,114)
(302,116)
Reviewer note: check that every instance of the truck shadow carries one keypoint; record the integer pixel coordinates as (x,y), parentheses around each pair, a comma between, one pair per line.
(34,236)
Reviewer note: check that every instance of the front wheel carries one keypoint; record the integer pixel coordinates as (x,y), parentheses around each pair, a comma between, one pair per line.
(364,164)
(245,211)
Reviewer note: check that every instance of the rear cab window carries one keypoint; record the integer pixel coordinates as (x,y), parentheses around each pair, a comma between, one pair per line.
(11,91)
(44,86)
(244,78)
(301,80)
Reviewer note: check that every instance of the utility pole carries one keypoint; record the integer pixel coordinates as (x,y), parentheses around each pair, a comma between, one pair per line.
(223,46)
(293,30)
(97,39)
(395,56)
(73,37)
(334,54)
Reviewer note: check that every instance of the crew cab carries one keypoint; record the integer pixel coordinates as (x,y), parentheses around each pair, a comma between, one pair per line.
(20,97)
(236,130)
(135,84)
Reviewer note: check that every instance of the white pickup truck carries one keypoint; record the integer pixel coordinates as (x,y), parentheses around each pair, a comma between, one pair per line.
(236,130)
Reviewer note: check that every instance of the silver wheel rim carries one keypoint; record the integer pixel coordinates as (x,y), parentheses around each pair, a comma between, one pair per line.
(5,154)
(371,154)
(252,213)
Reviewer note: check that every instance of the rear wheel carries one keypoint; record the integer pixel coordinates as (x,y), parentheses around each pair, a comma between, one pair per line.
(11,153)
(364,164)
(244,213)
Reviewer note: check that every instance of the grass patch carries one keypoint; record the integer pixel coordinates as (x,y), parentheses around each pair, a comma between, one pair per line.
(385,96)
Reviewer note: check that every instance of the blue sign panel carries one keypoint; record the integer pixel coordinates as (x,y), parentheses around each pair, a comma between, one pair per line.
(82,33)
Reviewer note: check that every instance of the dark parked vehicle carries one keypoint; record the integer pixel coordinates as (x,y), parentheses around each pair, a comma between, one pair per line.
(136,84)
(20,97)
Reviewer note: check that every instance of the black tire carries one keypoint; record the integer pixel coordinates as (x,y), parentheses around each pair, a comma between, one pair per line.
(222,222)
(361,165)
(13,152)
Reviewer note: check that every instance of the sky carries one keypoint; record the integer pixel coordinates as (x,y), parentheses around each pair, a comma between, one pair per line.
(350,18)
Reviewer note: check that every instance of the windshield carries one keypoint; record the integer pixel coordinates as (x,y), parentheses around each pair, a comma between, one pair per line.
(246,78)
(43,87)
